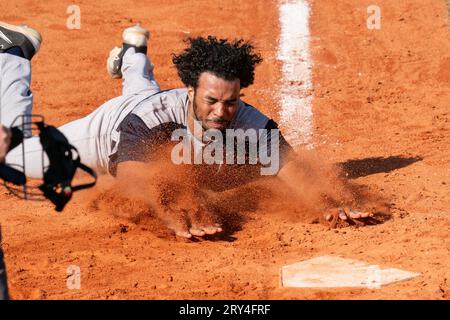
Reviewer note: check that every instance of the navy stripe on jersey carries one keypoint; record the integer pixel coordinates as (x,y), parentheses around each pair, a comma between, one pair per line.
(138,142)
(285,147)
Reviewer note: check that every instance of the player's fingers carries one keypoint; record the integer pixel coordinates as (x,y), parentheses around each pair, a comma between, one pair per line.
(176,222)
(342,214)
(365,214)
(212,230)
(354,215)
(197,232)
(358,214)
(183,234)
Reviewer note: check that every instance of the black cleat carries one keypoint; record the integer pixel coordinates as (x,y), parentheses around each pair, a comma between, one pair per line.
(28,40)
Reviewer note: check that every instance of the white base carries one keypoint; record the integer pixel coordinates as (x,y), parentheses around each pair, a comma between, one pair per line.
(337,272)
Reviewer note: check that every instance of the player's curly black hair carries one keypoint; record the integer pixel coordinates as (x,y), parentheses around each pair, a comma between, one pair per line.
(227,60)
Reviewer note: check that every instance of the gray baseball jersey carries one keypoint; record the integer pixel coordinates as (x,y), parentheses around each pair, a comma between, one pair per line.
(128,127)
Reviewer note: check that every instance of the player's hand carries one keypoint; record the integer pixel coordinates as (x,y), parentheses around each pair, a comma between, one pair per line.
(5,140)
(192,223)
(346,216)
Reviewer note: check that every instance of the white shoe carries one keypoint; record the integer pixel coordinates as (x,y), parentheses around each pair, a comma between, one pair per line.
(136,37)
(27,39)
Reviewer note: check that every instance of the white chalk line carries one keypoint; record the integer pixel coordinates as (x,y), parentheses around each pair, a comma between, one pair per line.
(296,85)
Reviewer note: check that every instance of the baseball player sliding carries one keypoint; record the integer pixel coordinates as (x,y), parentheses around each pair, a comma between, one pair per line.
(120,136)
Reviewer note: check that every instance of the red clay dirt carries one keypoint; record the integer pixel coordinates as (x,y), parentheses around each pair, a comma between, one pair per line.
(380,112)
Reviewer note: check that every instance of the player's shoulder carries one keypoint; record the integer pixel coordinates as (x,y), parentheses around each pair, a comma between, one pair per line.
(162,107)
(249,117)
(162,101)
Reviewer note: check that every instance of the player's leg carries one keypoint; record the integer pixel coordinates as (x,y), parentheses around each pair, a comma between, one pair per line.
(132,64)
(18,44)
(30,158)
(15,94)
(138,74)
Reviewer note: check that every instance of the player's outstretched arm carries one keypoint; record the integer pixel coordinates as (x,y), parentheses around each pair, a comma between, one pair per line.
(184,222)
(307,182)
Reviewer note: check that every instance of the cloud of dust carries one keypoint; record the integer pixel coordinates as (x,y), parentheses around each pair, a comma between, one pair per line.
(161,194)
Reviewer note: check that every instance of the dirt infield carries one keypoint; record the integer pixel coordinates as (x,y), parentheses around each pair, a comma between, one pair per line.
(380,111)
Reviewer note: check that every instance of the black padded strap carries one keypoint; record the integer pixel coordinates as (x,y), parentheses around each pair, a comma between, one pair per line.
(88,171)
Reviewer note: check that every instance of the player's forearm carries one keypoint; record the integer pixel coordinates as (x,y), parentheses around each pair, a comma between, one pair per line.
(289,174)
(297,174)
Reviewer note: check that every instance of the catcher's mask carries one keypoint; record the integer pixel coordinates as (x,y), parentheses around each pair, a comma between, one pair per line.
(63,158)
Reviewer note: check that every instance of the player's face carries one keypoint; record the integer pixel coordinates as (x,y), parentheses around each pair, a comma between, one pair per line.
(215,101)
